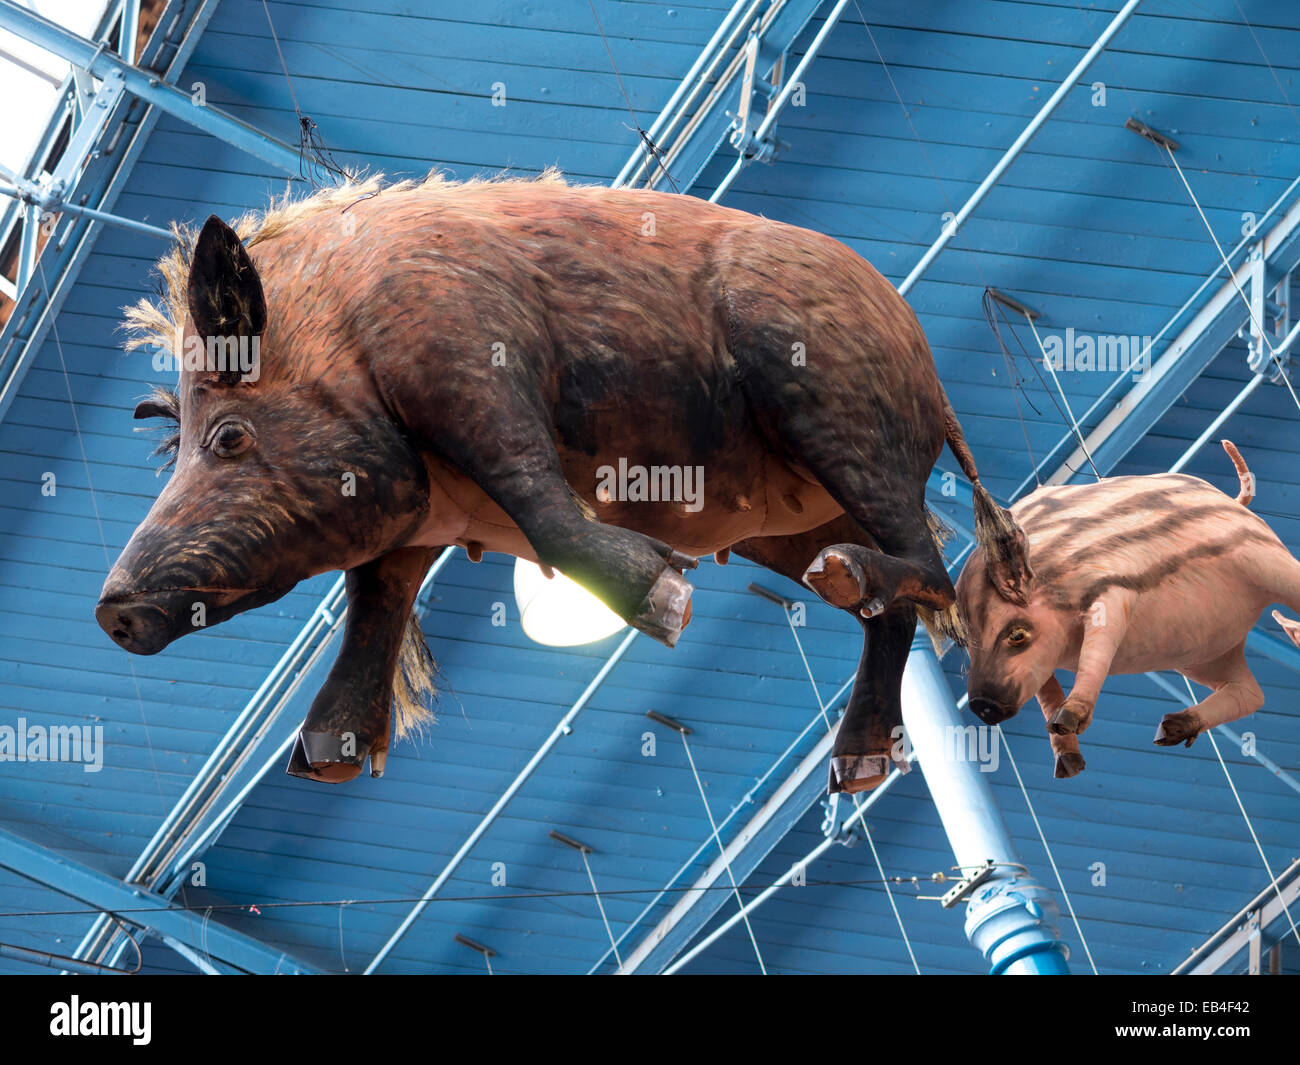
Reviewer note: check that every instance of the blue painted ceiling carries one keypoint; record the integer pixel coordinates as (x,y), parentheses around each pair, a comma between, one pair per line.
(1090,227)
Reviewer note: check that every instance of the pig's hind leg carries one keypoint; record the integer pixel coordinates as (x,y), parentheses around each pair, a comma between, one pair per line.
(1065,745)
(1235,693)
(868,738)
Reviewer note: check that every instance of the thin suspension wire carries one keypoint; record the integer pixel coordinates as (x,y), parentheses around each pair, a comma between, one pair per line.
(1250,311)
(821,707)
(742,804)
(601,907)
(651,148)
(1246,817)
(342,956)
(893,904)
(723,852)
(313,157)
(103,543)
(1074,422)
(1016,387)
(1043,837)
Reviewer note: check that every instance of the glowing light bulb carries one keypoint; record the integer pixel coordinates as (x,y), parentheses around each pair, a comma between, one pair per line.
(558,612)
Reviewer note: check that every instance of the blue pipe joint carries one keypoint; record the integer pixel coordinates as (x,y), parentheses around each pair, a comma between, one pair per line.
(1013,923)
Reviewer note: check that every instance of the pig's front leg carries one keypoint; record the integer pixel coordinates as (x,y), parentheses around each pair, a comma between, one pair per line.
(1236,693)
(1069,762)
(1104,625)
(349,718)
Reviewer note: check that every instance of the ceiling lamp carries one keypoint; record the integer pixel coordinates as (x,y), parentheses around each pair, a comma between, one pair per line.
(558,612)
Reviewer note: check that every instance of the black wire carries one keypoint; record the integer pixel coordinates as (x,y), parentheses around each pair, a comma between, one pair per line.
(315,163)
(651,149)
(498,897)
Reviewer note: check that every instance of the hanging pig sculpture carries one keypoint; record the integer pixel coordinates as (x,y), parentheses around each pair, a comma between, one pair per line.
(467,356)
(1130,575)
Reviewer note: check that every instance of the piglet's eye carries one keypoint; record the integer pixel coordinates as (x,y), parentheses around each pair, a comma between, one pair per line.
(1017,636)
(231,439)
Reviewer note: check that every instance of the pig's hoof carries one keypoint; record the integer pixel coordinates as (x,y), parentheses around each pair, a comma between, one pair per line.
(667,609)
(835,577)
(321,756)
(681,561)
(1070,764)
(858,772)
(1065,722)
(1182,727)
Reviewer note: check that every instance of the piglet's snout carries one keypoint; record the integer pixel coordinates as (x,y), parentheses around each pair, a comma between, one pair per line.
(989,711)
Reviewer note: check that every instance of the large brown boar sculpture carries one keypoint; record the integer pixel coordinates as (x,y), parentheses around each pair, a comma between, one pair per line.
(453,364)
(1130,575)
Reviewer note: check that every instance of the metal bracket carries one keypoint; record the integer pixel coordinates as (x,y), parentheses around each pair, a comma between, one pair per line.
(1269,324)
(758,57)
(968,883)
(835,817)
(1255,944)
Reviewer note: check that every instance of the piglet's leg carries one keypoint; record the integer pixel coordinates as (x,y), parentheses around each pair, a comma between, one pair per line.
(1104,625)
(1069,762)
(1235,694)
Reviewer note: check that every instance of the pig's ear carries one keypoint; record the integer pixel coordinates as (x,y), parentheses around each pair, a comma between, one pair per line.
(224,294)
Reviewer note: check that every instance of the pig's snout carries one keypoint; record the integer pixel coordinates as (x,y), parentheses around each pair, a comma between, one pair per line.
(991,712)
(142,624)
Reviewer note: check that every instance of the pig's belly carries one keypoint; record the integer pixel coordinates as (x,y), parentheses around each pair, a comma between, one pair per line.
(1187,623)
(767,498)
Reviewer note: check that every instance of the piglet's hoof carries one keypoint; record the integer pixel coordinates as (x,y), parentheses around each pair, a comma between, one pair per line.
(320,756)
(1070,764)
(1174,729)
(837,578)
(858,772)
(667,609)
(1065,722)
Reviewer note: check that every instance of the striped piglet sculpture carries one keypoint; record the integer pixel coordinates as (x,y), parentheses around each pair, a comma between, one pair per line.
(1130,574)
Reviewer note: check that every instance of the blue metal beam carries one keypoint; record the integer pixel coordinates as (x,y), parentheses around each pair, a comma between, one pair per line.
(145,84)
(1134,413)
(1281,651)
(1260,923)
(100,182)
(771,29)
(139,906)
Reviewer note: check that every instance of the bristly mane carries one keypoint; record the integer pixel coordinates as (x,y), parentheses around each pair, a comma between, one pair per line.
(153,322)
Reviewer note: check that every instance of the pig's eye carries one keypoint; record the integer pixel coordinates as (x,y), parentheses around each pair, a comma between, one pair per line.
(1017,637)
(231,439)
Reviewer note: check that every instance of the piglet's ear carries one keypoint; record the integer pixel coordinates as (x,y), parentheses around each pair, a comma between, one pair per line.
(225,294)
(1006,548)
(1011,576)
